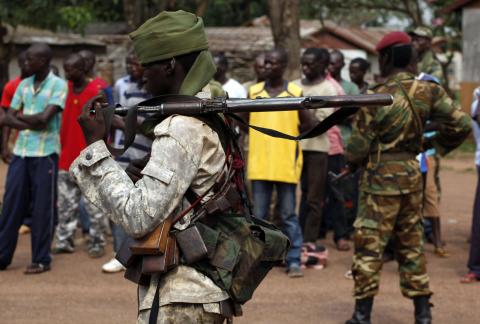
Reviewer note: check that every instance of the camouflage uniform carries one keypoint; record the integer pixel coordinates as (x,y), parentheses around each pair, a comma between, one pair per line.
(430,65)
(69,195)
(185,153)
(187,313)
(385,141)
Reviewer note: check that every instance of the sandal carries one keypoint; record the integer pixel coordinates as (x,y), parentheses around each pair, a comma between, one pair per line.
(441,253)
(36,268)
(469,278)
(342,245)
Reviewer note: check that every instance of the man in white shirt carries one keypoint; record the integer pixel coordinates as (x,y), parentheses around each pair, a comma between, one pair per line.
(314,63)
(231,86)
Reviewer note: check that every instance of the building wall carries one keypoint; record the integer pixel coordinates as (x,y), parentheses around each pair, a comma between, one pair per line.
(471,45)
(471,55)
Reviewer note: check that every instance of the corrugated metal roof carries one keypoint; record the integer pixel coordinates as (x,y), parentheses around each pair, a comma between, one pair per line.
(364,38)
(260,38)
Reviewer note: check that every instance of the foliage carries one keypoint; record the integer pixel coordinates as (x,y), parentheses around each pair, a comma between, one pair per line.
(57,14)
(226,12)
(75,14)
(75,18)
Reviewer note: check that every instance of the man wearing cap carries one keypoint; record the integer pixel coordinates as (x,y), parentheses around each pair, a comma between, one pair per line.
(186,153)
(427,62)
(385,142)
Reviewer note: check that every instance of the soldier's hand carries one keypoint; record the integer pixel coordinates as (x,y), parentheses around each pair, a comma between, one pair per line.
(91,119)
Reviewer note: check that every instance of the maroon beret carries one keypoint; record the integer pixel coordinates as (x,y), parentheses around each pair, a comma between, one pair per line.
(393,38)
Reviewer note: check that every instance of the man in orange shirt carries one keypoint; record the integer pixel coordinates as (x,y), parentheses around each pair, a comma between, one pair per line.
(80,91)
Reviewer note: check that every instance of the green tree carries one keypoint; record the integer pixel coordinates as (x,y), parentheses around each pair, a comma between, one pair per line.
(49,14)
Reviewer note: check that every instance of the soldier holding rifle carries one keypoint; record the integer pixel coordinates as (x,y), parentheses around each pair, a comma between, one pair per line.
(193,166)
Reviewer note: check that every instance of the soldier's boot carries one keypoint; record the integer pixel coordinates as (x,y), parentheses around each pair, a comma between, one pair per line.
(423,314)
(363,309)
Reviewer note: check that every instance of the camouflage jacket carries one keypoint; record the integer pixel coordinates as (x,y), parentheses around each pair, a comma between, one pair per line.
(381,134)
(185,153)
(430,65)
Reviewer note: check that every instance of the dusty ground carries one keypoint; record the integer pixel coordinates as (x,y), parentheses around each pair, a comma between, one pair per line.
(76,291)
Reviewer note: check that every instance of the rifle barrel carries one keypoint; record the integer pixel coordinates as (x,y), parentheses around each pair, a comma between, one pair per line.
(219,105)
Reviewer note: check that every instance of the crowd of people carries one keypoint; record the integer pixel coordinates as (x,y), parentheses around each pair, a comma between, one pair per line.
(41,139)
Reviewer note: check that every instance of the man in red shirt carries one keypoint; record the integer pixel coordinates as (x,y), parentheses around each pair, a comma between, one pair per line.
(80,90)
(101,84)
(8,135)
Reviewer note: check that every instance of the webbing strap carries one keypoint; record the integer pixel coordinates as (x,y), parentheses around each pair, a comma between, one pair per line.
(155,306)
(131,126)
(416,117)
(332,120)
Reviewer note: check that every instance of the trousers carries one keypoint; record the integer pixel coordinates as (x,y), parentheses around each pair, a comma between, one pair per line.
(262,195)
(69,195)
(379,219)
(314,173)
(30,190)
(334,213)
(474,255)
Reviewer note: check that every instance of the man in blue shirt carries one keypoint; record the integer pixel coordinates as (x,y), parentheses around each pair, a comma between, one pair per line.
(32,174)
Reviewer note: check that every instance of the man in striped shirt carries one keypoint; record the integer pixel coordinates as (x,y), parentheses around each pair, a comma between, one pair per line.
(32,174)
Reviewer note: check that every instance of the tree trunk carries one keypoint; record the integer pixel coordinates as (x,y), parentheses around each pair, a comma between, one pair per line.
(286,32)
(134,13)
(202,6)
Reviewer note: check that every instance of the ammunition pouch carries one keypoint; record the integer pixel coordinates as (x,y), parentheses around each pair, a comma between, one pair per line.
(241,252)
(235,251)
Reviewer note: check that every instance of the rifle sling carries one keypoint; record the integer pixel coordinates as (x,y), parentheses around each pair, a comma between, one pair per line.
(131,126)
(332,120)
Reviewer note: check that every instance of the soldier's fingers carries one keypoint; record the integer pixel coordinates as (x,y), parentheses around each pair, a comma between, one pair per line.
(91,107)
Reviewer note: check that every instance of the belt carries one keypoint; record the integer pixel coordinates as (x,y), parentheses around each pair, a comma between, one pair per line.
(392,156)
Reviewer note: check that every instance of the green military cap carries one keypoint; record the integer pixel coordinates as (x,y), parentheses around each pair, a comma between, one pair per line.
(422,31)
(169,34)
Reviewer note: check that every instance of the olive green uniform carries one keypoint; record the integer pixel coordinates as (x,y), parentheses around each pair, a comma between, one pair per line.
(385,142)
(430,65)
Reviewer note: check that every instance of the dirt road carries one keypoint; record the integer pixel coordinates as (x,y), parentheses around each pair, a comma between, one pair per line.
(76,291)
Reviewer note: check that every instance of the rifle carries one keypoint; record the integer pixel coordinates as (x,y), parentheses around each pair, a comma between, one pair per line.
(162,106)
(154,254)
(189,105)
